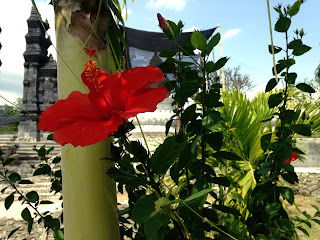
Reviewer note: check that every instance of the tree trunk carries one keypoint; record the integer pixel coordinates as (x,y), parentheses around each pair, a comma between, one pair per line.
(89,196)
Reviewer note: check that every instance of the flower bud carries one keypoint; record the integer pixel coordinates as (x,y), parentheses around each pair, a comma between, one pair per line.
(162,22)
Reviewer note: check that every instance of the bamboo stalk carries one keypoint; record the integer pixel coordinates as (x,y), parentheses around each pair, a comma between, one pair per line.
(89,196)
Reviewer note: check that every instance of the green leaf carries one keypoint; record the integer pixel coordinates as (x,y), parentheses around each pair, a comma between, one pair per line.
(25,214)
(294,9)
(8,201)
(265,141)
(56,160)
(290,177)
(305,88)
(286,63)
(291,78)
(275,48)
(294,44)
(272,208)
(46,202)
(153,227)
(168,125)
(212,120)
(125,178)
(167,53)
(13,231)
(193,199)
(226,155)
(274,100)
(303,230)
(283,24)
(30,224)
(226,209)
(271,84)
(219,64)
(58,235)
(215,140)
(223,181)
(143,208)
(25,181)
(300,50)
(8,161)
(302,129)
(43,170)
(287,194)
(53,223)
(14,177)
(199,41)
(209,67)
(50,137)
(213,42)
(189,114)
(316,220)
(264,168)
(166,154)
(32,196)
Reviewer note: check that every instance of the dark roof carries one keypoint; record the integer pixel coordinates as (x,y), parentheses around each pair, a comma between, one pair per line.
(156,41)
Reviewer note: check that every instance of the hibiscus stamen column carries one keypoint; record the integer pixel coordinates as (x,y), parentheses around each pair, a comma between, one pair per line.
(89,196)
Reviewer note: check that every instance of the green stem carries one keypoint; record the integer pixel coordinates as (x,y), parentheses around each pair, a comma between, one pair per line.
(144,138)
(272,47)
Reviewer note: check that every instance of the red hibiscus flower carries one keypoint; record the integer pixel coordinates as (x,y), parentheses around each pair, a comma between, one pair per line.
(294,156)
(84,119)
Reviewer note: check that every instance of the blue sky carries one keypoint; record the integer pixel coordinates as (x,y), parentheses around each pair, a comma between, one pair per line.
(244,28)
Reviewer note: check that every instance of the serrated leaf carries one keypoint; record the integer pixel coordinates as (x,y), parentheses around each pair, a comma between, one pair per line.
(271,84)
(58,235)
(213,42)
(143,208)
(13,231)
(50,137)
(125,178)
(286,63)
(264,167)
(8,201)
(283,24)
(166,154)
(14,177)
(287,194)
(199,41)
(294,9)
(305,88)
(274,100)
(32,196)
(302,129)
(25,214)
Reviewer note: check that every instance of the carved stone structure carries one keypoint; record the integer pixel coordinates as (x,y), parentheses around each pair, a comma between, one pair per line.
(40,77)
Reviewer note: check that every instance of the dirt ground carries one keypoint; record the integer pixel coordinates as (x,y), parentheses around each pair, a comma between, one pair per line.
(304,204)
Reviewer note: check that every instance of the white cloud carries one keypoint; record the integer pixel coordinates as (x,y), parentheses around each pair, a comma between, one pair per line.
(11,96)
(231,33)
(192,29)
(176,5)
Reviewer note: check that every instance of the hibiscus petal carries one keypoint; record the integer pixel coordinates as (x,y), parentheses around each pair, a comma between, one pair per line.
(76,105)
(85,132)
(140,77)
(144,101)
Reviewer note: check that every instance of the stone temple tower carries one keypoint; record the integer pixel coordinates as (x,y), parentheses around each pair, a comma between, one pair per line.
(40,77)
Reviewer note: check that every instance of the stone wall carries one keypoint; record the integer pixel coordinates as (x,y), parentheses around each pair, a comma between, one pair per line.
(308,182)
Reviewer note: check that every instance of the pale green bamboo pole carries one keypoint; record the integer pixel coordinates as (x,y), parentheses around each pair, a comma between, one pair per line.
(89,196)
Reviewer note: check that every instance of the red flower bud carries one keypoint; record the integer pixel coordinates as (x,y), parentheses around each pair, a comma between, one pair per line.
(294,156)
(162,22)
